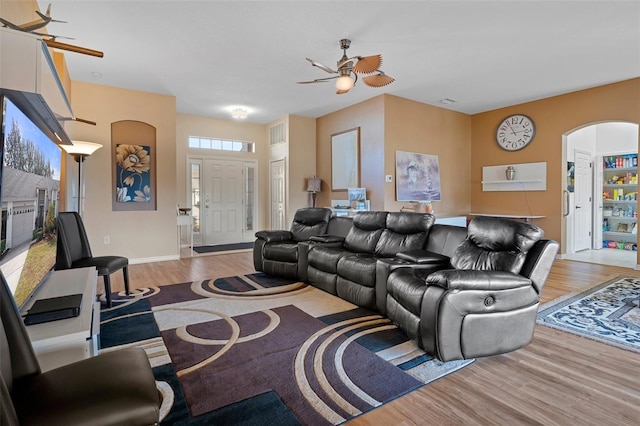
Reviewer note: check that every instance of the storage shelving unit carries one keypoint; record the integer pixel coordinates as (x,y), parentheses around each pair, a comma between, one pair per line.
(619,201)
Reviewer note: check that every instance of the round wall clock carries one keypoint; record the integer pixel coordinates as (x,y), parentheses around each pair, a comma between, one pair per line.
(515,132)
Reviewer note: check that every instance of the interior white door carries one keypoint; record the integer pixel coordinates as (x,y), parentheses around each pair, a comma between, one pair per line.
(277,178)
(222,221)
(583,203)
(596,224)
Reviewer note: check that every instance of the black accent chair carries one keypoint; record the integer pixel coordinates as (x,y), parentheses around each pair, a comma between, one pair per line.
(115,388)
(73,251)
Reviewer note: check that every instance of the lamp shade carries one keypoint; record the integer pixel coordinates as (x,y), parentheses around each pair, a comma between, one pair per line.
(314,184)
(81,148)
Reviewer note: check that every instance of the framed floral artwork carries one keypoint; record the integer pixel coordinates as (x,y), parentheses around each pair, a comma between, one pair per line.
(134,174)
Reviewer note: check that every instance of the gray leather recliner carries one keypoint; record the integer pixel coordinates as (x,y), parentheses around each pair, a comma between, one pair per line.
(487,301)
(115,388)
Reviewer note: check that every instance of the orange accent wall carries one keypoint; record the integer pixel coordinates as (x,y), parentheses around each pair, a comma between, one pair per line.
(554,117)
(416,127)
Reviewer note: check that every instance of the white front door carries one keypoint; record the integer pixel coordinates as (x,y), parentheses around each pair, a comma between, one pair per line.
(583,203)
(277,177)
(221,221)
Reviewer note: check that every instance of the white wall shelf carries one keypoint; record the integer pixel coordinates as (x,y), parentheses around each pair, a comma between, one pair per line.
(513,181)
(529,177)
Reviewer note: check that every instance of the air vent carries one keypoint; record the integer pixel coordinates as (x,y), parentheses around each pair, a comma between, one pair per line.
(276,134)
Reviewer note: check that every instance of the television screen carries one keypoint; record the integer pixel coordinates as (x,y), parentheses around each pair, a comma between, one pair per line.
(30,185)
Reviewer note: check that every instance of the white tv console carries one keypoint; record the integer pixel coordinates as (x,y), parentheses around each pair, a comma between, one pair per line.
(62,342)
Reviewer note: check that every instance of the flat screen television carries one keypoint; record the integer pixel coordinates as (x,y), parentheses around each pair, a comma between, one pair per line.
(29,193)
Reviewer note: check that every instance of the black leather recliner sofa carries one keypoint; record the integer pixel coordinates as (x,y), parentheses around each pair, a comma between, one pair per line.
(275,252)
(486,303)
(346,266)
(458,292)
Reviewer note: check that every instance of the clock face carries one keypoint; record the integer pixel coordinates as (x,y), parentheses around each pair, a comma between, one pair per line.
(515,132)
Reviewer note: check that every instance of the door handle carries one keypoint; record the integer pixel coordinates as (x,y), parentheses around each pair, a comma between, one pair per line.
(578,207)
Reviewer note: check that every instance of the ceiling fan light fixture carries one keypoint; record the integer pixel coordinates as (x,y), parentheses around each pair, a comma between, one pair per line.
(344,83)
(239,113)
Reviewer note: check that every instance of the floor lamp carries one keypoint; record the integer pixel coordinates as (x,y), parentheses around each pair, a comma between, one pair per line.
(313,186)
(79,151)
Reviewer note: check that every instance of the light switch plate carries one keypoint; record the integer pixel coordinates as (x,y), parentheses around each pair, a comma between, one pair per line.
(388,178)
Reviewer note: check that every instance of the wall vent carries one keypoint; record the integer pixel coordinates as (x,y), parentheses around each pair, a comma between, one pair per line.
(276,134)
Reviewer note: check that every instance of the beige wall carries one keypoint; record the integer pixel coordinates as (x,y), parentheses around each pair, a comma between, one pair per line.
(389,124)
(192,125)
(369,117)
(19,11)
(554,117)
(302,161)
(138,235)
(298,153)
(416,127)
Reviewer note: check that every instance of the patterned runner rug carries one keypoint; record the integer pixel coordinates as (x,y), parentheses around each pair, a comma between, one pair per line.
(222,247)
(607,313)
(261,350)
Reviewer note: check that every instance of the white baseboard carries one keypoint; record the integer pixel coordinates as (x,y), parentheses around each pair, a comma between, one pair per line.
(154,259)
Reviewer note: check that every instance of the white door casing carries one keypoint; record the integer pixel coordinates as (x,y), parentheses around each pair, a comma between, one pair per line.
(277,194)
(583,203)
(596,219)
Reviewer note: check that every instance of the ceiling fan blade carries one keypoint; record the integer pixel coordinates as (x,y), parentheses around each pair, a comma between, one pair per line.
(317,80)
(322,67)
(378,80)
(341,92)
(368,64)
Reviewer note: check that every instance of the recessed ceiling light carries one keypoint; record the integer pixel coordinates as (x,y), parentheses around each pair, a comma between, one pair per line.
(96,74)
(448,101)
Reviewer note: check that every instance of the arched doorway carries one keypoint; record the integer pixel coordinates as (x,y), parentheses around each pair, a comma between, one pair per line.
(583,206)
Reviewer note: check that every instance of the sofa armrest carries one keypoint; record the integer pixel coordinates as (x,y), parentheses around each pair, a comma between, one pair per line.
(471,279)
(273,236)
(423,263)
(327,239)
(424,257)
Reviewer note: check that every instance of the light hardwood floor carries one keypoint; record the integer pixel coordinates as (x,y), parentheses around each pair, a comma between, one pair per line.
(559,379)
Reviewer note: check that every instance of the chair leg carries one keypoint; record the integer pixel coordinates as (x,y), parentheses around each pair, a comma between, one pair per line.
(107,290)
(125,271)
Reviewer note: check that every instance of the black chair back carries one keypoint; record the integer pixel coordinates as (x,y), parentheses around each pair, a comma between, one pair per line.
(73,243)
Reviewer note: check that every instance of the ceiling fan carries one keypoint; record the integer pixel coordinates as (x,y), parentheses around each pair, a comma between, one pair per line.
(349,68)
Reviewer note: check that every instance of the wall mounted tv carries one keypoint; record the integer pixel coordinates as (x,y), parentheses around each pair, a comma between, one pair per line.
(29,192)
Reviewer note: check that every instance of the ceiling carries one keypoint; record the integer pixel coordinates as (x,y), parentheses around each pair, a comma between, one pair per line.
(216,55)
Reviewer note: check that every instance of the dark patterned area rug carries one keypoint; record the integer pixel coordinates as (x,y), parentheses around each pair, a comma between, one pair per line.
(607,313)
(222,247)
(256,350)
